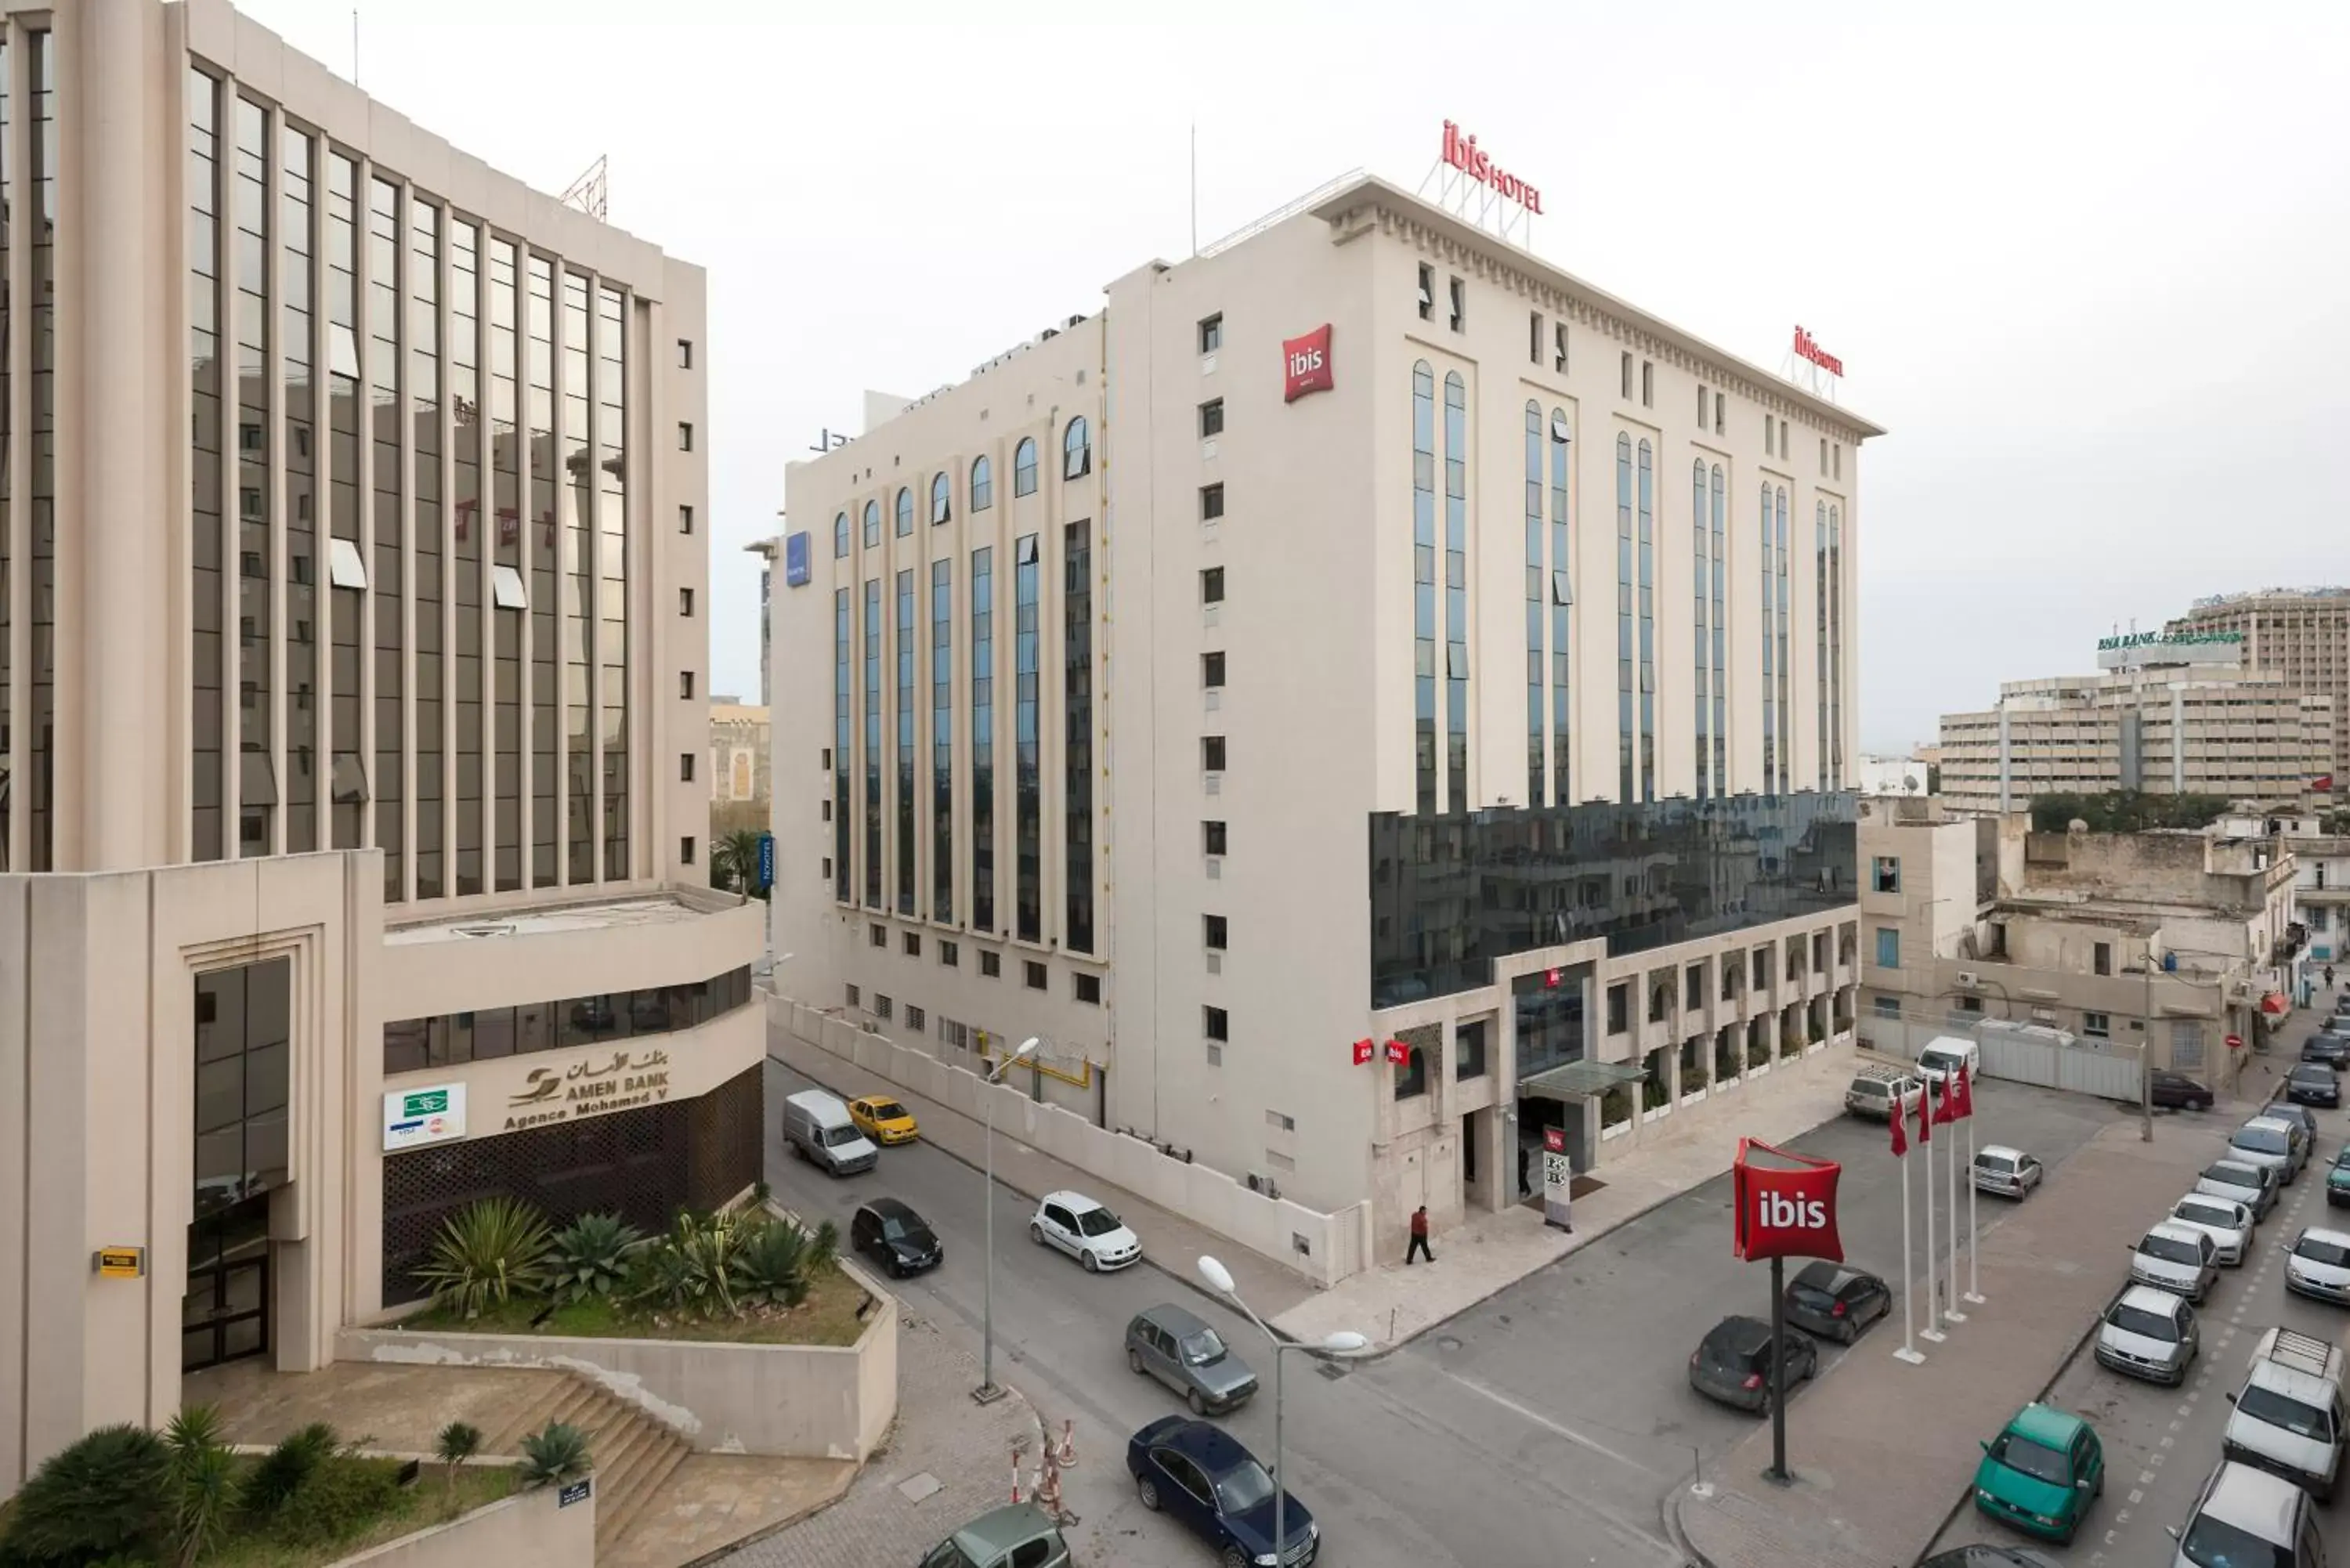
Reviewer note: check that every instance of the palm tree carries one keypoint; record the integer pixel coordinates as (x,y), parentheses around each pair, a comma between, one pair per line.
(459,1441)
(204,1482)
(734,862)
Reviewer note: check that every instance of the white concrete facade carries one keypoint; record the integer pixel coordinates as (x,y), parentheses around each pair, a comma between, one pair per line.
(1250,688)
(230,929)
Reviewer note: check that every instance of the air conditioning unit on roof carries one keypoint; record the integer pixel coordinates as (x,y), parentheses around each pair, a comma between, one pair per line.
(1969,977)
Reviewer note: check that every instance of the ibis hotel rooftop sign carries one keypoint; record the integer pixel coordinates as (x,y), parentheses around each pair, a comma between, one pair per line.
(1461,153)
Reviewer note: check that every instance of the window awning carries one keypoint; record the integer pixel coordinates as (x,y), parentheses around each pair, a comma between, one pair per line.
(1580,1080)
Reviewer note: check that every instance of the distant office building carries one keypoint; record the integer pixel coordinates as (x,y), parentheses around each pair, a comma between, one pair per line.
(2167,728)
(771,555)
(740,760)
(2300,637)
(350,655)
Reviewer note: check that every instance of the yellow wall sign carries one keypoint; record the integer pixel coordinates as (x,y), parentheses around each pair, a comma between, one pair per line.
(120,1262)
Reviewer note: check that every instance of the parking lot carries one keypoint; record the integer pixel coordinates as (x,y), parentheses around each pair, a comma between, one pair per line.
(2161,1444)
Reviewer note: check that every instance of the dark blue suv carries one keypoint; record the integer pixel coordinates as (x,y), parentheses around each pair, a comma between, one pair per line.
(1205,1476)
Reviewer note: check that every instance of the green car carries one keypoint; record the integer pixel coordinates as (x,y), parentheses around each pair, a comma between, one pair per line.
(2040,1473)
(2337,1181)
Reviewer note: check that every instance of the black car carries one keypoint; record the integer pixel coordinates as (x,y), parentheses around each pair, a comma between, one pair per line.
(2329,1046)
(1981,1555)
(1732,1362)
(1204,1476)
(895,1237)
(2179,1092)
(1835,1302)
(2313,1084)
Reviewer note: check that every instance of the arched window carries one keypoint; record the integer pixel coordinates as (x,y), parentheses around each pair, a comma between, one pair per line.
(905,511)
(941,501)
(1023,468)
(872,525)
(982,484)
(1076,450)
(840,537)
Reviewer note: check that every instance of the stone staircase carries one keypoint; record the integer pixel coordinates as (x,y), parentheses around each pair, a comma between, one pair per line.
(632,1453)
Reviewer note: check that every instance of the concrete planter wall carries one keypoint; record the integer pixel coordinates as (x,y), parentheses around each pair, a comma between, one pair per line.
(529,1530)
(1324,1248)
(796,1401)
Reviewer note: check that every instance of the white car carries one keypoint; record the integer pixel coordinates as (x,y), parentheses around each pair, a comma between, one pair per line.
(2288,1415)
(2254,1186)
(2148,1334)
(1085,1230)
(2174,1259)
(2226,1221)
(2318,1265)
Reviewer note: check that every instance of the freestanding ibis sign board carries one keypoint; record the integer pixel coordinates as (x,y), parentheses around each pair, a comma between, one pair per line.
(1783,1206)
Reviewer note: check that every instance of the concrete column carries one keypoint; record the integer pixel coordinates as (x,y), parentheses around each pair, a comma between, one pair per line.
(115,499)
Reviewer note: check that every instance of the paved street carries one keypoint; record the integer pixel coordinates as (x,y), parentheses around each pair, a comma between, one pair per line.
(1557,1416)
(2161,1443)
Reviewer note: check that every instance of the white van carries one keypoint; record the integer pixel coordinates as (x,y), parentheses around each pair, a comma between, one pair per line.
(2289,1416)
(817,1127)
(1942,1056)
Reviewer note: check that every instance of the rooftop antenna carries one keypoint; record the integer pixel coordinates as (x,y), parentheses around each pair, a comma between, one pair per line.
(355,46)
(589,192)
(825,441)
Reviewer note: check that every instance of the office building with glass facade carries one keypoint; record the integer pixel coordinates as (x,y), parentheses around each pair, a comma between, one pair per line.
(1361,631)
(350,657)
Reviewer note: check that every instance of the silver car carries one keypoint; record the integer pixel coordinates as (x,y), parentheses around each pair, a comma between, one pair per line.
(2226,1221)
(2148,1334)
(2174,1259)
(2009,1172)
(1174,1346)
(2318,1265)
(2252,1186)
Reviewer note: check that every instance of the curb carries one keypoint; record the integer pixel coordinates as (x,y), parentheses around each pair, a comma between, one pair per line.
(777,1528)
(1668,1514)
(1148,1260)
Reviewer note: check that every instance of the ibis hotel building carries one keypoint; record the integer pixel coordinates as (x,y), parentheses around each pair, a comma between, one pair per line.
(1360,695)
(350,648)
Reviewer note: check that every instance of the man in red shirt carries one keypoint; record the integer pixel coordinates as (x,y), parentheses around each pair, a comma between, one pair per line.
(1419,1237)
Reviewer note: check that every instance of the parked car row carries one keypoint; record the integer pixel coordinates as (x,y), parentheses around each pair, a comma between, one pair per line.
(1732,1365)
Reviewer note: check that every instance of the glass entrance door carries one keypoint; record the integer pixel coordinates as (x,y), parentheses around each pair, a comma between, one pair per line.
(225,1314)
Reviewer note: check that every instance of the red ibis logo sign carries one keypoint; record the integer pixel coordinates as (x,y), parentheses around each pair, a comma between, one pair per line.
(1462,152)
(1808,348)
(1784,1204)
(1305,364)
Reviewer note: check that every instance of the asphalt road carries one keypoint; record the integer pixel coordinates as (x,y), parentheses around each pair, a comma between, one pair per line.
(1547,1425)
(2161,1444)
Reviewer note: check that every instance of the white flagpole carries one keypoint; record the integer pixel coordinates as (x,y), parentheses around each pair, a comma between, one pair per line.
(1909,1351)
(1931,1333)
(1951,1313)
(1974,1296)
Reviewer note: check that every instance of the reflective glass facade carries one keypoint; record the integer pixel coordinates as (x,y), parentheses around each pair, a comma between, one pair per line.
(205,720)
(255,598)
(1423,584)
(841,747)
(941,738)
(1780,662)
(1456,591)
(42,719)
(1451,893)
(982,740)
(1836,646)
(387,564)
(1537,597)
(905,645)
(1562,597)
(1028,785)
(301,463)
(872,689)
(612,573)
(581,598)
(1770,648)
(1077,729)
(1647,622)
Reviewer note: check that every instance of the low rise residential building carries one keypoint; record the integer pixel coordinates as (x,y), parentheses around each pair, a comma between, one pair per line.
(2320,846)
(2173,942)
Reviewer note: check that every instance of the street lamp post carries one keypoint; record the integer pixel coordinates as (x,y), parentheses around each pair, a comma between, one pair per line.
(1343,1345)
(987,1392)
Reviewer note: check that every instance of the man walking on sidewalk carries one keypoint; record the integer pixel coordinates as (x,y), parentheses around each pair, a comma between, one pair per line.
(1419,1237)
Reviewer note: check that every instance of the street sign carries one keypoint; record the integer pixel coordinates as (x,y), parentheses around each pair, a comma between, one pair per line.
(2235,1042)
(434,1113)
(576,1492)
(1558,1180)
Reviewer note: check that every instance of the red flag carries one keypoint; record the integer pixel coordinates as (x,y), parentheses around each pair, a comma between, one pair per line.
(1900,1129)
(1962,1096)
(1924,1123)
(1942,1111)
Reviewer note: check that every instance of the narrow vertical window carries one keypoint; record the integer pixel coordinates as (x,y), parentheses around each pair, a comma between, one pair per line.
(300,447)
(1626,375)
(582,600)
(1562,597)
(902,848)
(1423,585)
(1786,676)
(1770,671)
(1427,292)
(982,740)
(1028,784)
(873,529)
(904,513)
(428,556)
(543,542)
(1023,468)
(1820,623)
(256,437)
(841,750)
(1537,597)
(1624,733)
(840,537)
(1719,554)
(941,499)
(1836,647)
(1647,623)
(392,660)
(982,484)
(208,654)
(1535,337)
(942,738)
(611,468)
(1460,318)
(42,719)
(1456,591)
(1076,450)
(1700,665)
(1648,384)
(470,806)
(1077,731)
(871,693)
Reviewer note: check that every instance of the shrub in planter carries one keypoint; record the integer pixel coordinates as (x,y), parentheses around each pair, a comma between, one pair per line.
(555,1454)
(691,1268)
(590,1257)
(1654,1094)
(1758,1055)
(487,1252)
(1615,1106)
(342,1498)
(775,1262)
(281,1473)
(105,1496)
(1693,1080)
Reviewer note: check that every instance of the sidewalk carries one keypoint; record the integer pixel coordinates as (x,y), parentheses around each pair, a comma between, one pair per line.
(947,1461)
(1490,1252)
(1882,1450)
(1170,1240)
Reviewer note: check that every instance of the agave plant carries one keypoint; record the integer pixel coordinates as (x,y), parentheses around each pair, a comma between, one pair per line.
(555,1454)
(776,1260)
(487,1253)
(692,1269)
(590,1257)
(203,1483)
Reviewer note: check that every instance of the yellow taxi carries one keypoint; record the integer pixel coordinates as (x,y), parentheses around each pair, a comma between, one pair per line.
(883,1119)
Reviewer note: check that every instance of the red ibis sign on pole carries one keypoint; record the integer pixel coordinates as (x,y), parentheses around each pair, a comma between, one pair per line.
(1784,1210)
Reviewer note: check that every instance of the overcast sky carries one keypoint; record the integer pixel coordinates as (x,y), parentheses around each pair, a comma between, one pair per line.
(2086,262)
